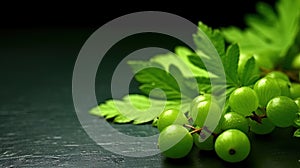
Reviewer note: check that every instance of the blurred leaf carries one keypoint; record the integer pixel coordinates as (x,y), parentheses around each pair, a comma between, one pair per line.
(270,33)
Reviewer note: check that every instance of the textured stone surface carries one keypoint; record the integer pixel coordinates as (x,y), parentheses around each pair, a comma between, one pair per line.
(39,126)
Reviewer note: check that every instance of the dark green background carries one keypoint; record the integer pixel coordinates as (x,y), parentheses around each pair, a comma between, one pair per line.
(38,123)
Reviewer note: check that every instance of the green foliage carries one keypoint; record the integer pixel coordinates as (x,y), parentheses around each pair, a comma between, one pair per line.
(270,34)
(136,108)
(173,80)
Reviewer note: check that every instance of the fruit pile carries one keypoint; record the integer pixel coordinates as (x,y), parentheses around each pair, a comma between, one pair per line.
(272,102)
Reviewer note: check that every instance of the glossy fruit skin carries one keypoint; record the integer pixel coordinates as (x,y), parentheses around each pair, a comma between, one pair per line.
(278,75)
(232,145)
(234,120)
(208,144)
(265,127)
(266,89)
(243,100)
(296,62)
(169,117)
(175,141)
(282,111)
(282,80)
(200,112)
(199,99)
(295,90)
(284,87)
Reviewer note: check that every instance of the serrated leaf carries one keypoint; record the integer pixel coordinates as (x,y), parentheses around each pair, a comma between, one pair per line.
(270,34)
(164,61)
(204,85)
(173,89)
(215,37)
(230,62)
(151,78)
(184,53)
(121,119)
(211,50)
(137,108)
(196,60)
(188,86)
(250,73)
(267,11)
(106,110)
(208,59)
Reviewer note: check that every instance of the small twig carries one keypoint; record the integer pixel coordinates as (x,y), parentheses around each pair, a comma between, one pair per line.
(196,131)
(257,118)
(189,126)
(199,130)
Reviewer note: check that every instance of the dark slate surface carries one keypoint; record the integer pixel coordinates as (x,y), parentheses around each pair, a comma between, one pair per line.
(39,126)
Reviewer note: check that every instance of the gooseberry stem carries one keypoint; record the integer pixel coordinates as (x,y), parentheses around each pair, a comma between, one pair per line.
(257,118)
(194,129)
(198,130)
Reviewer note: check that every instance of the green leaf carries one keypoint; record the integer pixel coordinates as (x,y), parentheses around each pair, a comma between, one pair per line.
(208,59)
(212,60)
(229,90)
(174,80)
(164,61)
(206,51)
(108,111)
(297,133)
(230,62)
(204,85)
(215,37)
(173,89)
(196,60)
(270,33)
(188,86)
(137,108)
(250,73)
(137,65)
(267,11)
(184,53)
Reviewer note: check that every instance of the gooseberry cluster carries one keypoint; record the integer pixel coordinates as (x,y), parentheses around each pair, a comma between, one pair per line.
(272,102)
